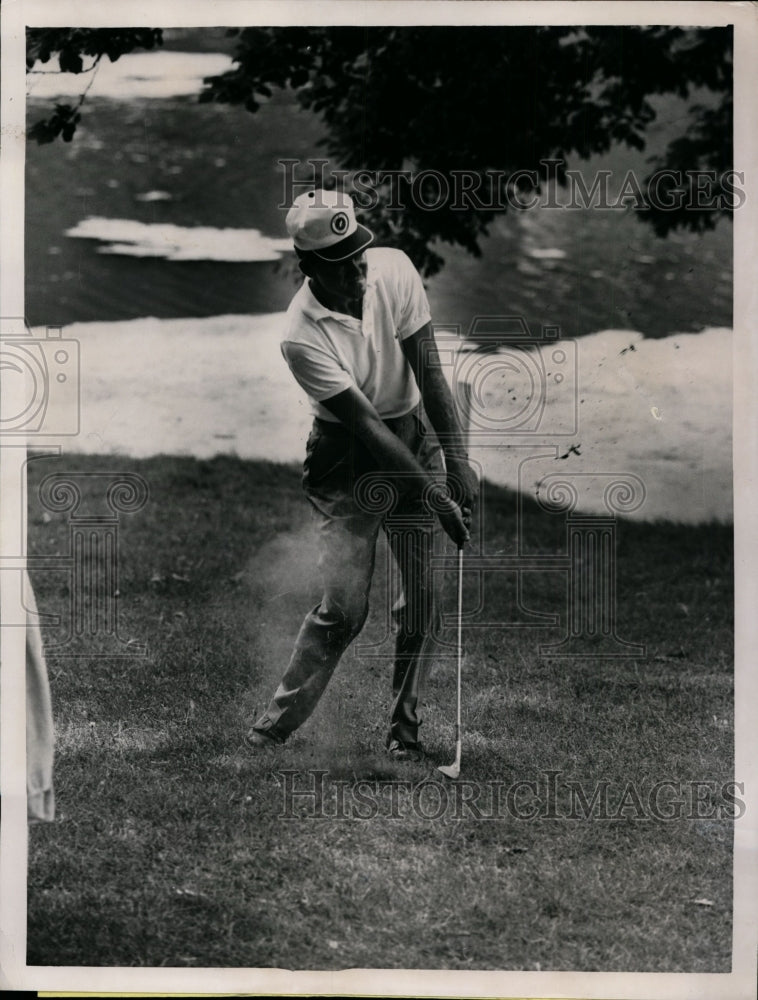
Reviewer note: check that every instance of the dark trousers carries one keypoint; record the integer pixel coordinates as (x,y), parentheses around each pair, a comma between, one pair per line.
(352,500)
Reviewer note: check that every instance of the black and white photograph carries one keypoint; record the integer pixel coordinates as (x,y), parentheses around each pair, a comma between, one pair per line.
(376,446)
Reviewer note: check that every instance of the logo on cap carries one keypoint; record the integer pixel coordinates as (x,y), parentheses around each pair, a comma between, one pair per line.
(340,223)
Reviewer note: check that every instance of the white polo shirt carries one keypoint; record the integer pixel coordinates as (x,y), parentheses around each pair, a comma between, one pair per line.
(328,351)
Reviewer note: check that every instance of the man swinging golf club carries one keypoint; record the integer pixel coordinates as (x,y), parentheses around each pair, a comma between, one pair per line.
(359,341)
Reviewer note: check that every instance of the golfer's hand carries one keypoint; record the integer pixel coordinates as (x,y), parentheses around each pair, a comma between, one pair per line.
(463,487)
(451,516)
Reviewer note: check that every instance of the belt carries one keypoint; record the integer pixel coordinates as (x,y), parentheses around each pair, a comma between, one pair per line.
(337,426)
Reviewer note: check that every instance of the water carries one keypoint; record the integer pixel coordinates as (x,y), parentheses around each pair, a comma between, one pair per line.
(219,167)
(579,271)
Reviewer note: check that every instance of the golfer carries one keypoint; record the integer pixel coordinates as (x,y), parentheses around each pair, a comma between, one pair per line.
(359,341)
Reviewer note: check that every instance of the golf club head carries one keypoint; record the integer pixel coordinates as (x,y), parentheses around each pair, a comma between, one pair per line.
(453,770)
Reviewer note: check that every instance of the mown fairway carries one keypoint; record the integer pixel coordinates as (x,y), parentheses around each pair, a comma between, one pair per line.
(170,847)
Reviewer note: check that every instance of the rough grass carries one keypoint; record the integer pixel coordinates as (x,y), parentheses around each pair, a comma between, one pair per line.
(171,847)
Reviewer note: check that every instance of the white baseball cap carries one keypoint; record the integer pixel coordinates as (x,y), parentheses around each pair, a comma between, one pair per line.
(323,222)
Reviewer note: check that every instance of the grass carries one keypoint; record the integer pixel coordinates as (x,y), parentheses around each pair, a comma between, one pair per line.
(170,847)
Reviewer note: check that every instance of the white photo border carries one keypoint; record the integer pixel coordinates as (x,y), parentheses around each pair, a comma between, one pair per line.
(738,984)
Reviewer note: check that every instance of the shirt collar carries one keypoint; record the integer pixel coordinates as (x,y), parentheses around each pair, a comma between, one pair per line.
(314,310)
(311,305)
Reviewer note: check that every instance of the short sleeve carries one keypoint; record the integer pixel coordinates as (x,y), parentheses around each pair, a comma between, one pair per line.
(414,309)
(318,374)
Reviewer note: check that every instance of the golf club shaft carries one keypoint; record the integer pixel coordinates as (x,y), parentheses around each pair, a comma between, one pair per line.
(460,643)
(453,770)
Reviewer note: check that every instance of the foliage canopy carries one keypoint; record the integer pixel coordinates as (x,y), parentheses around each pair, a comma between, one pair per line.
(487,101)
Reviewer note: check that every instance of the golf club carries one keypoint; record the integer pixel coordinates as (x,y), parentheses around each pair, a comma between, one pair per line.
(453,770)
